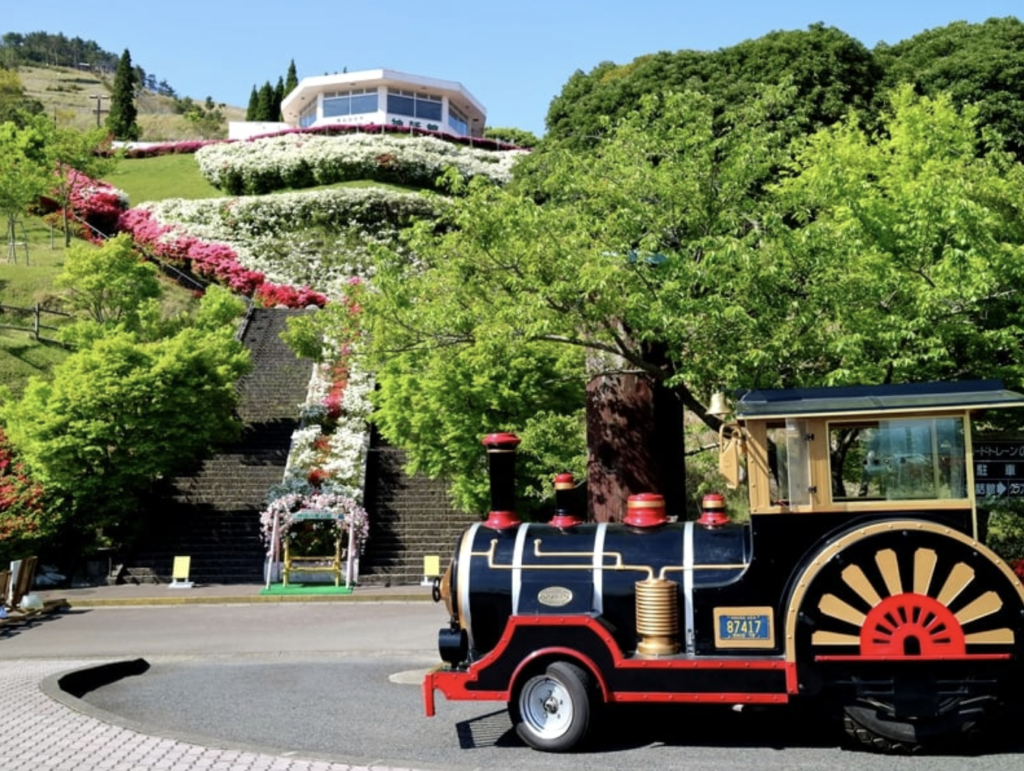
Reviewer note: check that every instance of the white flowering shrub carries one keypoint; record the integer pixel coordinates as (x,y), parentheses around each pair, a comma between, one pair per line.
(302,160)
(317,239)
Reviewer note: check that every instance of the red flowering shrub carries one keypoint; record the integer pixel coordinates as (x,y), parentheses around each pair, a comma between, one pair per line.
(317,477)
(23,519)
(270,295)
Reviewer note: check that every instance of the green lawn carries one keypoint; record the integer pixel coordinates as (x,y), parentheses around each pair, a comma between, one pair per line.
(165,176)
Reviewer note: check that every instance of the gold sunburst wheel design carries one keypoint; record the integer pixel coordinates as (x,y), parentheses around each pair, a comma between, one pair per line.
(910,618)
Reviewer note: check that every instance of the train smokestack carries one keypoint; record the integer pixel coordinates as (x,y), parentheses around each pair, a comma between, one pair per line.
(564,490)
(501,459)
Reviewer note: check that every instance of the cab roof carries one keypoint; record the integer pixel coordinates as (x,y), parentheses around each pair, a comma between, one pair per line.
(956,396)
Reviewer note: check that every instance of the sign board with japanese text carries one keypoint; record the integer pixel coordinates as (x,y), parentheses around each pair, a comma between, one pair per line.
(999,468)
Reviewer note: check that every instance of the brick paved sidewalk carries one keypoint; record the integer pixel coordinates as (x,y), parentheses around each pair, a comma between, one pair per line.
(39,733)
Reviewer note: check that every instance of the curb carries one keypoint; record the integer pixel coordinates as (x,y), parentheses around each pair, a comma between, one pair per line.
(254,600)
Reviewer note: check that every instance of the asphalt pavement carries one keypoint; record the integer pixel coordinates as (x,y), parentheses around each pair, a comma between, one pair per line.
(222,678)
(53,663)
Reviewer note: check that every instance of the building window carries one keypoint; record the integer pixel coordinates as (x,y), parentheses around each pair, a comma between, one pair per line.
(458,121)
(414,105)
(308,116)
(355,102)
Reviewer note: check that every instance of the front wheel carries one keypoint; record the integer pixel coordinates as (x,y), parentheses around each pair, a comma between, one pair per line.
(552,711)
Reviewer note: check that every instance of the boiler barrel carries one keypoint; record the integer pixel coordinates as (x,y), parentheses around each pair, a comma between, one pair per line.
(537,569)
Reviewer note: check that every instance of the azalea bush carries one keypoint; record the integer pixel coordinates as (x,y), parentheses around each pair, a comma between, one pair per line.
(317,239)
(24,521)
(210,260)
(97,204)
(299,160)
(329,450)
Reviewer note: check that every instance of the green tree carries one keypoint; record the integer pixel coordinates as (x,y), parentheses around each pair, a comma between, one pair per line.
(24,175)
(830,71)
(122,120)
(279,94)
(118,415)
(265,103)
(635,263)
(254,104)
(909,254)
(76,157)
(975,64)
(108,284)
(513,136)
(291,79)
(15,106)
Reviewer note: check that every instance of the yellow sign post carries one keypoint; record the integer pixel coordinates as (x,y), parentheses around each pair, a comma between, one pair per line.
(179,573)
(431,569)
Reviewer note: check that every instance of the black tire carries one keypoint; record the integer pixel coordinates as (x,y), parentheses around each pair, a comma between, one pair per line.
(552,710)
(872,725)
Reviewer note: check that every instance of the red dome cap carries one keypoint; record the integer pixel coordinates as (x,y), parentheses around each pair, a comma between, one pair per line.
(646,510)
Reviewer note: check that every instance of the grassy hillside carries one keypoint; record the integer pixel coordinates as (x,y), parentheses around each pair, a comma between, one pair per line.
(68,96)
(28,278)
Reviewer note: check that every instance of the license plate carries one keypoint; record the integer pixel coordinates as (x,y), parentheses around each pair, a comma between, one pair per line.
(744,628)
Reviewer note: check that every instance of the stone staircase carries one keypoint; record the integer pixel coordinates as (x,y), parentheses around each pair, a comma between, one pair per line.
(410,518)
(211,514)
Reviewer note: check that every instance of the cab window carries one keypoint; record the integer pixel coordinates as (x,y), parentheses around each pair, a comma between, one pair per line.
(905,459)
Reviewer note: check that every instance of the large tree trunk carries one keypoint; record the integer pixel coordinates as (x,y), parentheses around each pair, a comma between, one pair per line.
(635,443)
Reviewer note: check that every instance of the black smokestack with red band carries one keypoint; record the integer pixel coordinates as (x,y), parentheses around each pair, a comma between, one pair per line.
(501,459)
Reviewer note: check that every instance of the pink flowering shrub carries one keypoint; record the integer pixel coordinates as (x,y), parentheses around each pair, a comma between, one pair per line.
(269,295)
(96,203)
(213,261)
(170,148)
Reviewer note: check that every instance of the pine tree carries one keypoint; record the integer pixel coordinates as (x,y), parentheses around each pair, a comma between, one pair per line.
(265,103)
(122,118)
(252,110)
(291,80)
(279,93)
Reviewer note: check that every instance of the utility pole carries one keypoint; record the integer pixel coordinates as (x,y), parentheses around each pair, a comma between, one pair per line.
(98,98)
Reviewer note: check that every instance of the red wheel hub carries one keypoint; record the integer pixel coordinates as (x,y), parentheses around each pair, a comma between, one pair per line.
(908,625)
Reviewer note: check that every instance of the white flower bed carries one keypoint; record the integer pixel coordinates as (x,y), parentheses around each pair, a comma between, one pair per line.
(316,239)
(303,160)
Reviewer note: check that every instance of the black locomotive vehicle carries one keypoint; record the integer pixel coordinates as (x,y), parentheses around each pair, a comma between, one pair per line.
(859,581)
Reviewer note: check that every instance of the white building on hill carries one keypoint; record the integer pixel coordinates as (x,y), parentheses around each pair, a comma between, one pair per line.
(378,97)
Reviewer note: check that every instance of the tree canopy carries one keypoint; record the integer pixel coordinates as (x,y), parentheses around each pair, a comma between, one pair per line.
(978,64)
(830,71)
(15,106)
(25,174)
(886,253)
(120,413)
(108,284)
(974,64)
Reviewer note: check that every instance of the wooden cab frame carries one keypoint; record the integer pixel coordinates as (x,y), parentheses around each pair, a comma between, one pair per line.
(862,448)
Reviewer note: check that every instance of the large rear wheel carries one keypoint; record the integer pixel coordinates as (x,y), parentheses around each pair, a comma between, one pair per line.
(874,724)
(552,710)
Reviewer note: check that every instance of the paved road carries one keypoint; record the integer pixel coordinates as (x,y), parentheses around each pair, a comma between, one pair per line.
(331,686)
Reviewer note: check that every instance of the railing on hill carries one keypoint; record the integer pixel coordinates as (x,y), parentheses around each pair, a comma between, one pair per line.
(36,326)
(185,279)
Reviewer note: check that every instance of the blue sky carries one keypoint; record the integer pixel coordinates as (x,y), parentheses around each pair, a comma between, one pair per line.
(513,56)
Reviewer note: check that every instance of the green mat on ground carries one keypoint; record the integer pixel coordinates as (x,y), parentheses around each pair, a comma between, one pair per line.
(278,589)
